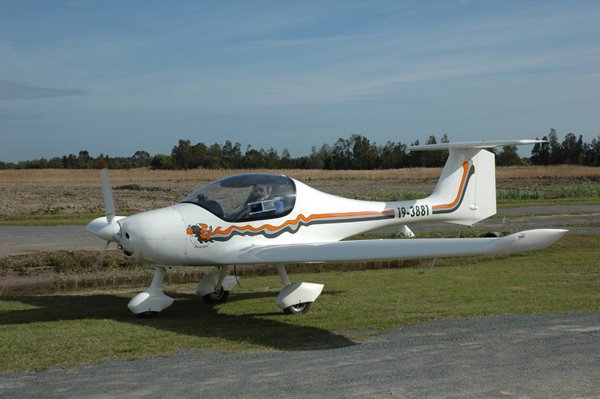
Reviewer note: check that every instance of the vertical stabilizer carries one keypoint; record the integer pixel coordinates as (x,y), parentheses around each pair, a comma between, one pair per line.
(466,190)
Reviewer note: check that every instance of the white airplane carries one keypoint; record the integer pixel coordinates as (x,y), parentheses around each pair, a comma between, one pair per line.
(274,219)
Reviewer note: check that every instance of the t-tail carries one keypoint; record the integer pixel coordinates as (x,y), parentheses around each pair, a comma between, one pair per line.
(466,190)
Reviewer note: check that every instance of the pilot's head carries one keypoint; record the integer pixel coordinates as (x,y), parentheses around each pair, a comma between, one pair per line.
(261,191)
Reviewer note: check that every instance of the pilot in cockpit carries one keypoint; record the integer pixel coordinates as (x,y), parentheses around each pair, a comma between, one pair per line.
(261,201)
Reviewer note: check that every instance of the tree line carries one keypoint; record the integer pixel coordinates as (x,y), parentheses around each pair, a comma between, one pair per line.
(355,152)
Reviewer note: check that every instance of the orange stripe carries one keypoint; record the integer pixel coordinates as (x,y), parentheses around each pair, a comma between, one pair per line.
(227,231)
(460,189)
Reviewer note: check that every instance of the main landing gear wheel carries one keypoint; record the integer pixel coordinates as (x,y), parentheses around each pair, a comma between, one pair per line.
(147,315)
(299,308)
(219,296)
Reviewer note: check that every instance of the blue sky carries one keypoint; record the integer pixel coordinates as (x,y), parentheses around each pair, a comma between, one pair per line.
(115,77)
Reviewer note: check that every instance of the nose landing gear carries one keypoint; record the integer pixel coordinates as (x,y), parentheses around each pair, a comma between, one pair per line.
(153,299)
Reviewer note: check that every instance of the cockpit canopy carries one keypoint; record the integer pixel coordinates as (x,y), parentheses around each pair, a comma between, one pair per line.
(252,196)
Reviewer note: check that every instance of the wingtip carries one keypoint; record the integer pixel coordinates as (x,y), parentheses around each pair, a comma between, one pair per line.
(530,240)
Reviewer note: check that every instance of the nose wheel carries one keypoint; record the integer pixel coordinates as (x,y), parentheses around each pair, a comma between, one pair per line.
(218,296)
(214,288)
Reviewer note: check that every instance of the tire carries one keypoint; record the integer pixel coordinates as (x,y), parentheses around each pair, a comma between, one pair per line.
(219,296)
(299,308)
(147,315)
(489,234)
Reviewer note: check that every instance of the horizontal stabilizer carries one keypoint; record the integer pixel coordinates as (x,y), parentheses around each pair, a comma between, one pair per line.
(472,144)
(391,249)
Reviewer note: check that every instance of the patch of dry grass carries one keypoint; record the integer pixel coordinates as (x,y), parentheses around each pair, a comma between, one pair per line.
(562,171)
(199,175)
(51,192)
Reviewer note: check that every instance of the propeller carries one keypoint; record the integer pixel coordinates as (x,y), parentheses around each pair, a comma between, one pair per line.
(106,227)
(100,260)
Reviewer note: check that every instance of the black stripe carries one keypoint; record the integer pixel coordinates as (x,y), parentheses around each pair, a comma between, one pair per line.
(462,195)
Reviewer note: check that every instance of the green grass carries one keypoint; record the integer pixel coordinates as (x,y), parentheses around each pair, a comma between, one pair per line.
(51,219)
(65,261)
(47,331)
(591,191)
(563,193)
(514,203)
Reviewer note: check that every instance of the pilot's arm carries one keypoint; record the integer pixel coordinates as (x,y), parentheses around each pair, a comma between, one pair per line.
(279,206)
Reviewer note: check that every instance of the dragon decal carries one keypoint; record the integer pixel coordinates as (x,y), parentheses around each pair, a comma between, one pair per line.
(201,231)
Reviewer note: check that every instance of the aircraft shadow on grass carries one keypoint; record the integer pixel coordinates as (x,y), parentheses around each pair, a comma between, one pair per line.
(188,315)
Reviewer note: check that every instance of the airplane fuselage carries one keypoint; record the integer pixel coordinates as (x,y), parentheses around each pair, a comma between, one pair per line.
(188,234)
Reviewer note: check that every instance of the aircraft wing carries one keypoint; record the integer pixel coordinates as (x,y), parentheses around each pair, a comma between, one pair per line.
(389,249)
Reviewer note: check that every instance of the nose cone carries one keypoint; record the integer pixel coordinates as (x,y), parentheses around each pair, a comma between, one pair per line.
(103,228)
(158,236)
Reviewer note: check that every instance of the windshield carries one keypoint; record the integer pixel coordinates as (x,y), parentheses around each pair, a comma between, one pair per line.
(246,197)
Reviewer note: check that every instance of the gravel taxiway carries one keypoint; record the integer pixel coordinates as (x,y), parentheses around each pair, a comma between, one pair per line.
(513,356)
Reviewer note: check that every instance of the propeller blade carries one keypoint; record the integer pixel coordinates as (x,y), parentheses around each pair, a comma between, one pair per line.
(100,259)
(109,203)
